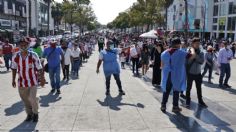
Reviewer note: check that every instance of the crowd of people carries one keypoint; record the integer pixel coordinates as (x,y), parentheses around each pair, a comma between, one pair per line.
(175,64)
(31,59)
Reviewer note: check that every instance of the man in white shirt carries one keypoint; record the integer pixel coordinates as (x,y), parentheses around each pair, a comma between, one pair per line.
(67,60)
(75,60)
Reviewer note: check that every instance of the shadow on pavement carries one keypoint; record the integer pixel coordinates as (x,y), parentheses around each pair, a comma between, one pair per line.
(185,123)
(25,127)
(210,85)
(15,109)
(230,90)
(210,118)
(47,99)
(114,103)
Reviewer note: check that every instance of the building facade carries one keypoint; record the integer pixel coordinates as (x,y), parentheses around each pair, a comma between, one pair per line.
(13,18)
(224,19)
(39,18)
(217,18)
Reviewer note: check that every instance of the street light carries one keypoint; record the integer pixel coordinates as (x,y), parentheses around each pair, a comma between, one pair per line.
(186,21)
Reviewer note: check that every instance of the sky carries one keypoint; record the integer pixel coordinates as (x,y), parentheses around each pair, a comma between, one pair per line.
(107,10)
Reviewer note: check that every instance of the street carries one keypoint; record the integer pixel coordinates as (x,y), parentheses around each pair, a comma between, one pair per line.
(83,106)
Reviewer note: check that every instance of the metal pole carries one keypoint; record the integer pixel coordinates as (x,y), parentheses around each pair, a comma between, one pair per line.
(204,26)
(48,32)
(186,21)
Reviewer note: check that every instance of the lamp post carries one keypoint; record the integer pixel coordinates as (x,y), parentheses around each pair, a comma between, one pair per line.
(204,24)
(186,21)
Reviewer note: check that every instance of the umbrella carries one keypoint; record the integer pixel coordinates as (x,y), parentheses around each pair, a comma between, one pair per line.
(150,34)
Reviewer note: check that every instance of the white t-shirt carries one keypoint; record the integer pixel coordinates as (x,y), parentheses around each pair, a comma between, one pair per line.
(67,56)
(75,53)
(133,52)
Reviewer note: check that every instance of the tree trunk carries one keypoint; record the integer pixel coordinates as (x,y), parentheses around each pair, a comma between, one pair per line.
(166,17)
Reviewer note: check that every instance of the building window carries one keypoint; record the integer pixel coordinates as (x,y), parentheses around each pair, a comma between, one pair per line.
(223,9)
(215,1)
(214,27)
(215,20)
(215,12)
(232,8)
(231,23)
(9,4)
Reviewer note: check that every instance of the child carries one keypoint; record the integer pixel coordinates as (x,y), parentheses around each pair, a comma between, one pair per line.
(122,59)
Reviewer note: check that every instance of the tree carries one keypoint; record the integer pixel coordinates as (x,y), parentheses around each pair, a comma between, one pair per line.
(166,4)
(57,14)
(143,12)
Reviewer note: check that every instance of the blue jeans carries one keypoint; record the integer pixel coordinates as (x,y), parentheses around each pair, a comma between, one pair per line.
(224,70)
(76,66)
(54,75)
(7,59)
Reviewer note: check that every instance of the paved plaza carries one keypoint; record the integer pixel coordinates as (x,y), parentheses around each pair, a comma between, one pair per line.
(83,106)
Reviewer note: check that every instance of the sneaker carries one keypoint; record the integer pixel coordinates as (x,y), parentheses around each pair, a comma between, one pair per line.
(53,90)
(58,91)
(163,108)
(64,79)
(217,73)
(107,93)
(28,118)
(35,118)
(227,86)
(202,104)
(176,109)
(121,93)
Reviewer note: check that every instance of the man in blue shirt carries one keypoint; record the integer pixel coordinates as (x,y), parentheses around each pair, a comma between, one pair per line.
(55,58)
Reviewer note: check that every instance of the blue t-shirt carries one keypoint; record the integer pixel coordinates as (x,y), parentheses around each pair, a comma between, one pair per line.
(54,59)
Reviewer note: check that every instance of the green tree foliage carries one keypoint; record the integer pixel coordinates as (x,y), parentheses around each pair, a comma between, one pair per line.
(143,12)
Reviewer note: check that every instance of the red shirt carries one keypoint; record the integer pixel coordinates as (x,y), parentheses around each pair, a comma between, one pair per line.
(7,49)
(27,69)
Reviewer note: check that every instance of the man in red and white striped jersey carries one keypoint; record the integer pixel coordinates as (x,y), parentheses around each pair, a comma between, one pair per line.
(27,65)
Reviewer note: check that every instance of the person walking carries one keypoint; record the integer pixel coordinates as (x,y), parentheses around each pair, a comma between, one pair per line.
(28,66)
(100,44)
(209,58)
(224,58)
(174,74)
(110,66)
(67,60)
(134,53)
(76,60)
(122,59)
(145,56)
(233,48)
(54,56)
(156,63)
(194,73)
(7,51)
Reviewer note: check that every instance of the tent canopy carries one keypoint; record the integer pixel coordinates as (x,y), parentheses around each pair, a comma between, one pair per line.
(150,34)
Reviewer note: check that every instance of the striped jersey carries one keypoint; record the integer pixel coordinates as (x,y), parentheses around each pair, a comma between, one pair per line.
(26,68)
